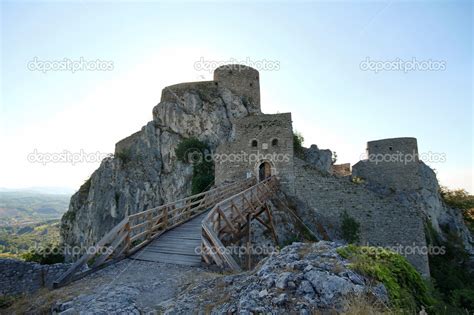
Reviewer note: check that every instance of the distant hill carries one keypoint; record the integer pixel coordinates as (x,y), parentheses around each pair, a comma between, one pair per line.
(16,240)
(20,207)
(41,190)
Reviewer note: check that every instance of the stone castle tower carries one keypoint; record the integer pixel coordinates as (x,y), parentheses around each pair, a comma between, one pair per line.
(392,163)
(240,79)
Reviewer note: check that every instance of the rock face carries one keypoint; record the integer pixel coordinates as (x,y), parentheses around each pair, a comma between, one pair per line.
(320,159)
(144,172)
(301,278)
(427,199)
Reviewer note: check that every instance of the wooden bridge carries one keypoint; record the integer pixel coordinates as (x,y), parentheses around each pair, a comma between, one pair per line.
(186,231)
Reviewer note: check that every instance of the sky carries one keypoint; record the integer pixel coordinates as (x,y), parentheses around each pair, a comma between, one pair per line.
(348,71)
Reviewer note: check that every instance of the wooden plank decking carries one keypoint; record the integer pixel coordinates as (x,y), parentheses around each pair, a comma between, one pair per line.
(177,246)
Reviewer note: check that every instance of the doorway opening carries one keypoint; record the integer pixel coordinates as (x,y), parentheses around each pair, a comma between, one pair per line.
(264,171)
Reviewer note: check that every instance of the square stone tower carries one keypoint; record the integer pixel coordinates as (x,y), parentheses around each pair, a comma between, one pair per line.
(263,146)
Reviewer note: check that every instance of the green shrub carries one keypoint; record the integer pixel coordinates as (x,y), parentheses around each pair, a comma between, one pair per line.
(458,198)
(45,256)
(452,276)
(463,298)
(469,219)
(350,228)
(334,157)
(357,180)
(6,301)
(124,155)
(298,140)
(406,288)
(193,151)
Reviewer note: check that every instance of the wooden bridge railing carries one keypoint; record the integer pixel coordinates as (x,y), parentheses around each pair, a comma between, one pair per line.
(229,221)
(137,230)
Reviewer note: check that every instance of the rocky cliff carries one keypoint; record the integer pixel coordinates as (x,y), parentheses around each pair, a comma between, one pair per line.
(144,172)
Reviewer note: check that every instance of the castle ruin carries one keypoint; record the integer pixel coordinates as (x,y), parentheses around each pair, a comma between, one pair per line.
(225,113)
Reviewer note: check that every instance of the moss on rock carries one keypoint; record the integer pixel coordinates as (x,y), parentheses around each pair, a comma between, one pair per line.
(407,289)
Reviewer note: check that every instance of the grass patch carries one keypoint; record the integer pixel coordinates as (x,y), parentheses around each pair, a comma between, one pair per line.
(350,228)
(406,288)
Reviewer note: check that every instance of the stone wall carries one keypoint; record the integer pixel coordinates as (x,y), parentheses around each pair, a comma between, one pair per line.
(17,277)
(383,220)
(262,138)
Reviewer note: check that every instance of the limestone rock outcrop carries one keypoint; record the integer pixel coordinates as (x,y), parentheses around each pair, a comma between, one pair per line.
(144,171)
(303,278)
(318,158)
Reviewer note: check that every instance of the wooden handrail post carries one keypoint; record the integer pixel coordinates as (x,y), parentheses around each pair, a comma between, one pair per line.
(128,243)
(249,242)
(149,225)
(165,218)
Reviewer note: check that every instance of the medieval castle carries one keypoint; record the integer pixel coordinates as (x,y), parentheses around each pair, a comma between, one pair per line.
(261,145)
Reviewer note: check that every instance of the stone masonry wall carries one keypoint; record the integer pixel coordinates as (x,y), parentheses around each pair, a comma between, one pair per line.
(383,220)
(17,277)
(274,143)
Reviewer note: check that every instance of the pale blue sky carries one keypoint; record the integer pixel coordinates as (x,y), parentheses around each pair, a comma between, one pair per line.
(319,45)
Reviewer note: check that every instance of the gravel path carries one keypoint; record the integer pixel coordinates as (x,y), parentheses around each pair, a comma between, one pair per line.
(130,286)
